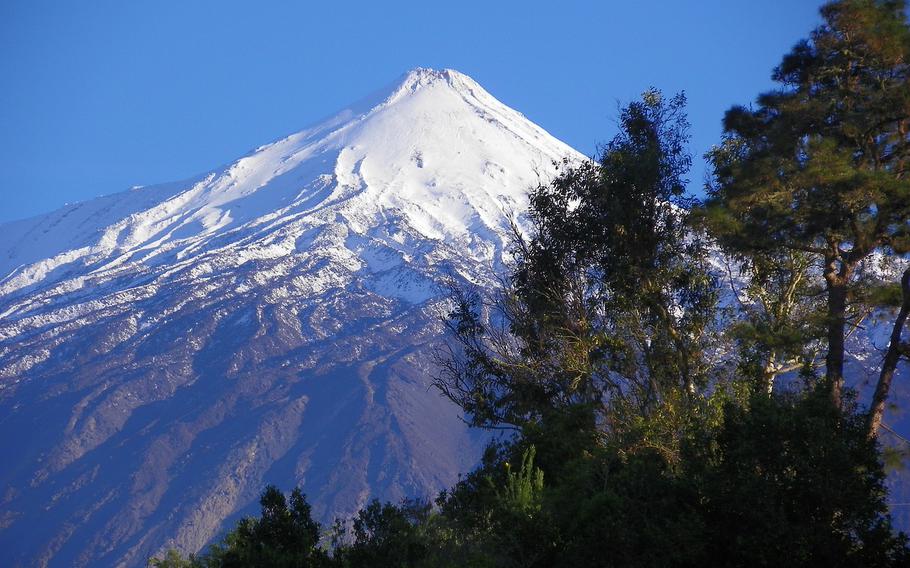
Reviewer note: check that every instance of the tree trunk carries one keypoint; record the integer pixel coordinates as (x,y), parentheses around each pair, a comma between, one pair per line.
(892,357)
(837,280)
(768,374)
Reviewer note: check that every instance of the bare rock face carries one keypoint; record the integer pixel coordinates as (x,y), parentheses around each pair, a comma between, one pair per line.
(168,351)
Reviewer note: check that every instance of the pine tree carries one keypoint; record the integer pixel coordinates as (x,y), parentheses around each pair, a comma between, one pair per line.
(820,166)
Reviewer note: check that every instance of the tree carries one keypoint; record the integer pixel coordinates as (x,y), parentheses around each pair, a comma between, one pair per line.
(612,237)
(896,349)
(791,480)
(820,166)
(283,535)
(385,535)
(775,320)
(610,301)
(598,354)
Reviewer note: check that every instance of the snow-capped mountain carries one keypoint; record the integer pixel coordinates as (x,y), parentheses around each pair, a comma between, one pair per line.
(167,351)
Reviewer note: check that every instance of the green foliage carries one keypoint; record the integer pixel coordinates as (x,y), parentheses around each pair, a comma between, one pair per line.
(779,480)
(385,535)
(819,166)
(284,535)
(886,294)
(524,487)
(612,264)
(790,480)
(173,559)
(760,481)
(611,306)
(779,315)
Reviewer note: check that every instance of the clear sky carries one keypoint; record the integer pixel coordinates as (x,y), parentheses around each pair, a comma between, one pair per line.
(96,96)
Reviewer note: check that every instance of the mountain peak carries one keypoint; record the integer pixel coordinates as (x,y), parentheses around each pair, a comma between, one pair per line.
(435,147)
(269,321)
(428,74)
(415,81)
(425,76)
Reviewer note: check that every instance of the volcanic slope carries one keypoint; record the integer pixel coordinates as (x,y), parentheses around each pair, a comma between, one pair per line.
(167,351)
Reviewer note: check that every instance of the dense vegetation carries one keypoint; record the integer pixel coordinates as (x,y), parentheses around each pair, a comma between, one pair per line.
(655,424)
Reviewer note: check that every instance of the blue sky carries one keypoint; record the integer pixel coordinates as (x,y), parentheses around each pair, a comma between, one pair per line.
(98,96)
